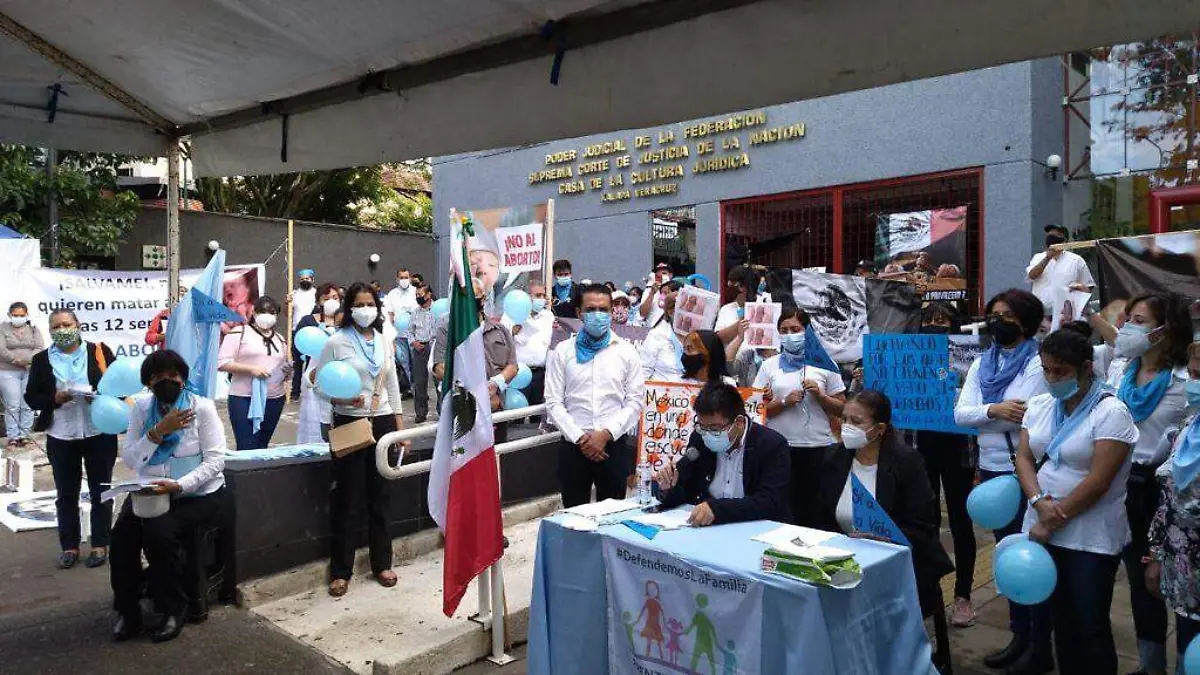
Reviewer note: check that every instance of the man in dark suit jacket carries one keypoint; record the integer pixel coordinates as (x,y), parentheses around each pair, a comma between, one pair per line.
(740,471)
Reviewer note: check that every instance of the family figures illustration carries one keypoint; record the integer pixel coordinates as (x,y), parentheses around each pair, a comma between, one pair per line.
(669,643)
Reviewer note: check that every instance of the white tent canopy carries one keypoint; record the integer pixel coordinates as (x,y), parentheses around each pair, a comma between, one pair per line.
(365,81)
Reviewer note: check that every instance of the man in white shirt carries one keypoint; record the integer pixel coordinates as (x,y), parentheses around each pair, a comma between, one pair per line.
(402,298)
(304,303)
(594,392)
(1054,271)
(650,310)
(533,340)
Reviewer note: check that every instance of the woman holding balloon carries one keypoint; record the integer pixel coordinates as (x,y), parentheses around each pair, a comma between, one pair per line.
(357,370)
(311,333)
(1073,463)
(62,385)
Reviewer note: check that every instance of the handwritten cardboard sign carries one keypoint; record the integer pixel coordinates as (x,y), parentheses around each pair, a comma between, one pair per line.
(869,516)
(520,248)
(914,372)
(668,418)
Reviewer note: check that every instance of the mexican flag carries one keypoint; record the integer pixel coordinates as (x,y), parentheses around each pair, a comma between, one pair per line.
(464,489)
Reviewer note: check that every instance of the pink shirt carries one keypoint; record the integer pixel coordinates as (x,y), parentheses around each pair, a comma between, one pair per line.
(250,349)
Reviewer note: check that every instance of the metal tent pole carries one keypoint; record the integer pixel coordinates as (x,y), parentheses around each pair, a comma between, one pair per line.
(52,203)
(173,220)
(499,656)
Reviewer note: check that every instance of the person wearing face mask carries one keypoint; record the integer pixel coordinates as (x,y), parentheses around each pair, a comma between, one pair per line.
(256,357)
(361,344)
(176,439)
(801,398)
(620,308)
(313,420)
(742,470)
(741,282)
(635,304)
(19,341)
(703,359)
(564,300)
(303,302)
(499,350)
(1174,537)
(653,302)
(993,401)
(1073,462)
(594,391)
(950,465)
(420,336)
(62,382)
(1055,271)
(895,475)
(401,299)
(1149,375)
(532,340)
(661,352)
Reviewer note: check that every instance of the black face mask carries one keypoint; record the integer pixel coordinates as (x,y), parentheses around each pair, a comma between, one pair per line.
(692,363)
(306,284)
(1054,240)
(422,301)
(1005,333)
(166,391)
(935,330)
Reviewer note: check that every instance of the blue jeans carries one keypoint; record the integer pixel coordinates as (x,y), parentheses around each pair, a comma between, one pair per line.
(1080,608)
(243,430)
(1027,621)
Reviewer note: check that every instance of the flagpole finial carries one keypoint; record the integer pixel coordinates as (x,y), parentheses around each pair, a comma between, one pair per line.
(468,227)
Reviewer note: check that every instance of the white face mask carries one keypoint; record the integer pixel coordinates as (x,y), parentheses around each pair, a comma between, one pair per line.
(1132,341)
(404,284)
(854,437)
(265,321)
(364,316)
(330,307)
(18,320)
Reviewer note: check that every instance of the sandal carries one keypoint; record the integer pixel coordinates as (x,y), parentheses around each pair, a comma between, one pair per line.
(338,587)
(386,578)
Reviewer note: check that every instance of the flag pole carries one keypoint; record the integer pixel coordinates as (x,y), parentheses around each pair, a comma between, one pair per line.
(287,342)
(548,245)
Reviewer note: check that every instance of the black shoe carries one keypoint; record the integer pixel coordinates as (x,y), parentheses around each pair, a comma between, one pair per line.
(505,542)
(68,559)
(420,419)
(197,612)
(96,559)
(1009,655)
(1035,661)
(127,627)
(169,629)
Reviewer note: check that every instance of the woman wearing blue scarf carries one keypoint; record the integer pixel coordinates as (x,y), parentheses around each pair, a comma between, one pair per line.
(1174,536)
(993,398)
(1154,342)
(1073,463)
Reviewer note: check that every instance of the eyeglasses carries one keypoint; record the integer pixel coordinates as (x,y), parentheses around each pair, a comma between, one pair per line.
(716,430)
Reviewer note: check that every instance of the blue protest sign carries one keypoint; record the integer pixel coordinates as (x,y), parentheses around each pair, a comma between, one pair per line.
(914,371)
(206,309)
(869,516)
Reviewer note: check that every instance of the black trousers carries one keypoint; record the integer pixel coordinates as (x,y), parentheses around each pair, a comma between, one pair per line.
(68,459)
(948,463)
(804,489)
(577,474)
(420,380)
(1149,613)
(1080,608)
(299,362)
(171,574)
(357,486)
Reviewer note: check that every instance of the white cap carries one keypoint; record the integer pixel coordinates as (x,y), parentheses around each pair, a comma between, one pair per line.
(620,295)
(585,282)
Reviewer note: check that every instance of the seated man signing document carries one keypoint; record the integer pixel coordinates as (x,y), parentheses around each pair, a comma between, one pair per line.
(734,469)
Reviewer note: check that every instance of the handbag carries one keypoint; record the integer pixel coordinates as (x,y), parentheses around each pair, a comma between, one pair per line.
(349,438)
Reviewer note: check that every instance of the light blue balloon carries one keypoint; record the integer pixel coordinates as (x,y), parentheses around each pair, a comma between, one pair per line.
(701,281)
(994,503)
(517,306)
(523,379)
(110,414)
(1025,573)
(1191,657)
(310,340)
(403,321)
(122,378)
(339,380)
(441,307)
(513,399)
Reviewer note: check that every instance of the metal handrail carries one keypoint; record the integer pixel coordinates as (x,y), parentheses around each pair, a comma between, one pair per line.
(390,472)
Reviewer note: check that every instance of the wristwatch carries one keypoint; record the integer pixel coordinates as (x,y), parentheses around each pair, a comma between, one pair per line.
(1037,498)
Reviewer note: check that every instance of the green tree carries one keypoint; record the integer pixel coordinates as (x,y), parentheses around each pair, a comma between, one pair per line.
(93,216)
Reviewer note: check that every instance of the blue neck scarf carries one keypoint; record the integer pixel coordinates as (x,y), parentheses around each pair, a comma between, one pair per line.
(1143,399)
(586,346)
(170,442)
(1065,425)
(69,367)
(563,293)
(994,379)
(1185,463)
(371,352)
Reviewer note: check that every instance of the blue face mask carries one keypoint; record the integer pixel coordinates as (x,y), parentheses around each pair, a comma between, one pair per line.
(539,304)
(597,323)
(793,343)
(717,441)
(563,281)
(1063,389)
(762,287)
(1192,389)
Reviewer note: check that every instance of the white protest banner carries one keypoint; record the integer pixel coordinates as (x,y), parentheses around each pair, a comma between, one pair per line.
(695,309)
(667,616)
(116,308)
(520,248)
(667,418)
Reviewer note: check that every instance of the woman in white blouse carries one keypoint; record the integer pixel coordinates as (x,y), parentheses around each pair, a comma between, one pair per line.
(176,440)
(662,349)
(800,400)
(1073,462)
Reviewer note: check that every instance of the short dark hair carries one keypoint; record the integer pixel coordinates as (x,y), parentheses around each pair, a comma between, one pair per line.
(1053,227)
(403,269)
(944,310)
(792,311)
(163,362)
(17,305)
(325,287)
(1029,309)
(561,265)
(738,275)
(719,398)
(1067,346)
(1080,327)
(599,289)
(348,302)
(68,312)
(266,303)
(1172,312)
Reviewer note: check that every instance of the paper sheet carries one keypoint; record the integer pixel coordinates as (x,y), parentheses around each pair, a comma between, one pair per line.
(598,510)
(793,536)
(667,520)
(126,488)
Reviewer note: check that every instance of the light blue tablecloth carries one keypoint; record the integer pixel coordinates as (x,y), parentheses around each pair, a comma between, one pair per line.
(875,628)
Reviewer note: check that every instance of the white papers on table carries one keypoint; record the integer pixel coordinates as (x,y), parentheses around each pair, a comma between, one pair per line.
(794,535)
(126,488)
(599,510)
(667,520)
(574,522)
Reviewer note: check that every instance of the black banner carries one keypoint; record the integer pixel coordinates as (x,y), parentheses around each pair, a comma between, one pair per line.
(1135,265)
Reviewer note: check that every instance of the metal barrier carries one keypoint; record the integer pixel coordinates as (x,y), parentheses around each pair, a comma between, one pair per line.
(491,581)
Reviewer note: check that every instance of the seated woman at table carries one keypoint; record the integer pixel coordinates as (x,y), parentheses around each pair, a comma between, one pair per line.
(735,470)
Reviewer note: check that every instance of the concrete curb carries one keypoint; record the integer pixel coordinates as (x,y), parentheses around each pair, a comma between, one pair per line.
(315,575)
(461,652)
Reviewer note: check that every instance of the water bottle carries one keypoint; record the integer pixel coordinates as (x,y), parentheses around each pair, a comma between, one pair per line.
(645,475)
